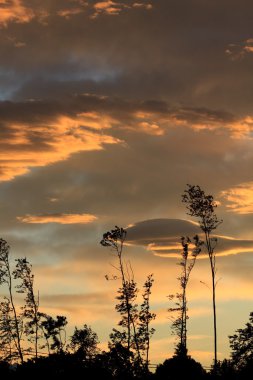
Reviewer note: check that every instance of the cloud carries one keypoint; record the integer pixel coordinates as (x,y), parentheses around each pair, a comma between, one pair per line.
(142,5)
(113,8)
(197,119)
(18,12)
(149,231)
(239,198)
(59,129)
(109,7)
(240,50)
(162,237)
(58,218)
(145,165)
(67,13)
(79,308)
(144,60)
(14,11)
(54,133)
(76,299)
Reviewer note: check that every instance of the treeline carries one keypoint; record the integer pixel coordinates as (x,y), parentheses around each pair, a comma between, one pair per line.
(35,343)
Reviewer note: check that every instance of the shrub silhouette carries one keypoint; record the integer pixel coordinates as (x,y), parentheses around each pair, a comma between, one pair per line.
(180,367)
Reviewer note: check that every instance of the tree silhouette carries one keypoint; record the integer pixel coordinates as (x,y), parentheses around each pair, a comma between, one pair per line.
(145,317)
(202,207)
(127,294)
(14,322)
(23,272)
(6,328)
(242,345)
(179,324)
(84,343)
(53,330)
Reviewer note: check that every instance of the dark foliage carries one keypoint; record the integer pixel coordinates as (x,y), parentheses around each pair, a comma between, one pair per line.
(180,367)
(241,345)
(84,343)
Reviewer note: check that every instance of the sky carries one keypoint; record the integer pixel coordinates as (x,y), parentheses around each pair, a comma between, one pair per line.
(107,110)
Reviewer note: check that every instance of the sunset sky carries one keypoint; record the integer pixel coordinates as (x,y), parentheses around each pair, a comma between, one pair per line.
(107,110)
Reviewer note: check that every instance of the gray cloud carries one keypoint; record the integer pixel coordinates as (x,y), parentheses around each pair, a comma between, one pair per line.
(78,123)
(180,58)
(162,236)
(157,230)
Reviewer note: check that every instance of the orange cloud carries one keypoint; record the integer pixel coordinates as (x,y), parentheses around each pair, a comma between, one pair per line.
(240,198)
(67,13)
(57,135)
(58,218)
(115,8)
(57,140)
(238,51)
(196,119)
(107,7)
(14,11)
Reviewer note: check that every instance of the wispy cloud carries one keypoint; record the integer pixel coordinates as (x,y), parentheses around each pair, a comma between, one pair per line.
(197,119)
(239,198)
(40,139)
(58,218)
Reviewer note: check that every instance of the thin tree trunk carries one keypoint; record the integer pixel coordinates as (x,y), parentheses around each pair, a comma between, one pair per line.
(36,332)
(126,297)
(17,342)
(214,320)
(129,317)
(212,264)
(148,344)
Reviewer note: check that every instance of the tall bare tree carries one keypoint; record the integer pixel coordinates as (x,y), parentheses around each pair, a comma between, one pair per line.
(202,207)
(127,293)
